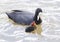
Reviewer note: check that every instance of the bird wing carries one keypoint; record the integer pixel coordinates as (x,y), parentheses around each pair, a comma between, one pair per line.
(21,17)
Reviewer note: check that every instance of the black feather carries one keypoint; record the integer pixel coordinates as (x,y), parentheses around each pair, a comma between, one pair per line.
(29,29)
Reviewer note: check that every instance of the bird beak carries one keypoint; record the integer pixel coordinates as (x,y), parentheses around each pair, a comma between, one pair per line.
(33,24)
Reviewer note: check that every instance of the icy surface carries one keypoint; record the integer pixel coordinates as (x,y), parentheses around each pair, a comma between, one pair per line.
(16,33)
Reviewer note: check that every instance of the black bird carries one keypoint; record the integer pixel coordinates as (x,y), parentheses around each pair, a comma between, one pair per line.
(30,29)
(24,17)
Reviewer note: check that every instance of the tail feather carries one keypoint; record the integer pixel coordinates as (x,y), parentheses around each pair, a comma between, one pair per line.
(17,10)
(8,15)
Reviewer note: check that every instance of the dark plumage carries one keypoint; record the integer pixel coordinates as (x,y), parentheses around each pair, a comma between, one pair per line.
(30,29)
(24,17)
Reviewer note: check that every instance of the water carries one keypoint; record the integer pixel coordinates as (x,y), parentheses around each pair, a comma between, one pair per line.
(16,33)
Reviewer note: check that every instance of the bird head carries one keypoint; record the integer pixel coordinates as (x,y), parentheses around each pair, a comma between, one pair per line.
(31,28)
(36,18)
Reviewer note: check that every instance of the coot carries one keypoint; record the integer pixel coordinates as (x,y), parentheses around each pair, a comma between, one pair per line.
(25,17)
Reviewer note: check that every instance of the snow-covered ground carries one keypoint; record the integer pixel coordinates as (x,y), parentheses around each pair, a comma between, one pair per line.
(15,33)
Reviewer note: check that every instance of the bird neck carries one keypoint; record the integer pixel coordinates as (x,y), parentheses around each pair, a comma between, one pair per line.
(36,17)
(36,13)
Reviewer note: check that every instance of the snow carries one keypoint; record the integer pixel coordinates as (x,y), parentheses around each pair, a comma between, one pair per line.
(10,32)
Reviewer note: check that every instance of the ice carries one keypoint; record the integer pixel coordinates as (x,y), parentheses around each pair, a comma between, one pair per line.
(10,32)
